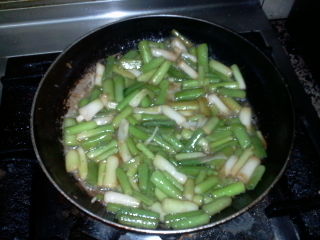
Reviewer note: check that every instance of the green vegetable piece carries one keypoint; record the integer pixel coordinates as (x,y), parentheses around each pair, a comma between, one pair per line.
(138,212)
(164,86)
(202,55)
(175,143)
(123,72)
(118,83)
(94,153)
(145,51)
(218,163)
(191,170)
(83,102)
(236,93)
(95,93)
(191,222)
(238,76)
(219,134)
(173,180)
(145,77)
(137,133)
(96,141)
(80,127)
(160,73)
(102,168)
(198,199)
(92,177)
(67,122)
(124,181)
(132,120)
(159,194)
(231,103)
(153,117)
(243,158)
(217,205)
(231,144)
(132,146)
(185,105)
(161,182)
(137,222)
(114,207)
(206,185)
(189,94)
(183,156)
(143,198)
(125,102)
(70,140)
(107,128)
(201,177)
(122,115)
(133,87)
(256,177)
(242,136)
(219,67)
(176,217)
(144,149)
(159,123)
(229,191)
(177,73)
(146,102)
(258,147)
(196,136)
(215,86)
(143,177)
(165,146)
(210,125)
(110,61)
(216,144)
(182,38)
(72,160)
(106,154)
(133,167)
(189,189)
(83,164)
(130,64)
(153,64)
(131,54)
(108,89)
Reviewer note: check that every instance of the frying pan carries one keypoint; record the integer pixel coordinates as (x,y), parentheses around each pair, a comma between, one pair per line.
(266,90)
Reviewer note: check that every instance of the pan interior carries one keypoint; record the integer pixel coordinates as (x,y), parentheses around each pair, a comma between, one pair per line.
(266,92)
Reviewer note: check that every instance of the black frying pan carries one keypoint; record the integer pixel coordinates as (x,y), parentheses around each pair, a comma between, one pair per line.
(267,93)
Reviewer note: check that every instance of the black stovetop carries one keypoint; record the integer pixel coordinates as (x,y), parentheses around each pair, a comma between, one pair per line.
(32,209)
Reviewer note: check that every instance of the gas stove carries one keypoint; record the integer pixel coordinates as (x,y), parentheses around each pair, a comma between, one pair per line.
(31,208)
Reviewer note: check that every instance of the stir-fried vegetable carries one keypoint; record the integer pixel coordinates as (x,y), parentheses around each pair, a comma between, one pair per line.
(166,135)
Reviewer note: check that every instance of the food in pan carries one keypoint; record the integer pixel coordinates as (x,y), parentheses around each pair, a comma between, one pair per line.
(165,136)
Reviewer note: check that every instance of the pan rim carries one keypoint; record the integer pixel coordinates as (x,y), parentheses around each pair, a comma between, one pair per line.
(160,231)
